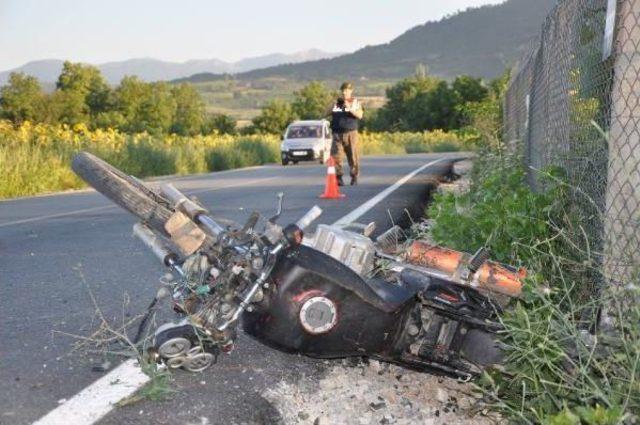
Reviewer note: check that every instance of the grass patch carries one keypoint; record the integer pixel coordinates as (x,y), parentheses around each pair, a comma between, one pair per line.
(157,389)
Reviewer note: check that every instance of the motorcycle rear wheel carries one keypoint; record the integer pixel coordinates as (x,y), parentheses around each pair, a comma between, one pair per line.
(480,347)
(124,190)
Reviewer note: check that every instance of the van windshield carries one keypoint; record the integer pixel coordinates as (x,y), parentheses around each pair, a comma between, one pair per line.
(304,132)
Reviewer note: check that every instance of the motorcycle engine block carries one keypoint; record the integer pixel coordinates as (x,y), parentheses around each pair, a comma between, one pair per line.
(354,250)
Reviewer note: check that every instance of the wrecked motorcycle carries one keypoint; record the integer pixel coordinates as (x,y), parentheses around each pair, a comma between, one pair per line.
(334,294)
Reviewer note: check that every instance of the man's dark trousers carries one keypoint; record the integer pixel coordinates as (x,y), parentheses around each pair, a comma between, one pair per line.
(346,144)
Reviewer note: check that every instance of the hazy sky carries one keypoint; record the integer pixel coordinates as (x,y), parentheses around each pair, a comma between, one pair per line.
(99,31)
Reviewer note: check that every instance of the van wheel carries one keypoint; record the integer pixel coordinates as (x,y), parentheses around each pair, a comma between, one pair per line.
(295,162)
(285,162)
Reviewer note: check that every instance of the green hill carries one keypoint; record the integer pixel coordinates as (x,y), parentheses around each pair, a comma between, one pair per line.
(480,42)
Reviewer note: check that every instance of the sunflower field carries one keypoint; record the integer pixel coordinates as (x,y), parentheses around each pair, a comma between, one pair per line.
(36,158)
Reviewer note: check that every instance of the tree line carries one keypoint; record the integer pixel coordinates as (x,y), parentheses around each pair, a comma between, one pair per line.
(82,96)
(422,102)
(417,103)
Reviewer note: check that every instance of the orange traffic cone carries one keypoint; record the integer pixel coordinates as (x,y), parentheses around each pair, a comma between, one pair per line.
(331,190)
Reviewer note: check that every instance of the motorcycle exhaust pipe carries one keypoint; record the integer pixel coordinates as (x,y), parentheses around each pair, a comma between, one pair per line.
(146,235)
(485,274)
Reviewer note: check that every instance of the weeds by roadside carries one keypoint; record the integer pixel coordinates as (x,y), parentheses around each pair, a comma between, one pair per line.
(158,388)
(564,364)
(112,340)
(560,367)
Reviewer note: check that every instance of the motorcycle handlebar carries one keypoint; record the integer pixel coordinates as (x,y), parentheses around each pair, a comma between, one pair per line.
(211,225)
(191,209)
(301,224)
(181,202)
(199,214)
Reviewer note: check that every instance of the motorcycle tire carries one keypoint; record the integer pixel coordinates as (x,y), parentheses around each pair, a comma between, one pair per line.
(126,191)
(480,347)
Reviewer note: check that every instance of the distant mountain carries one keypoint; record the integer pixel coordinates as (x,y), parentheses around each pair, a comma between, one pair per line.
(150,69)
(480,42)
(42,69)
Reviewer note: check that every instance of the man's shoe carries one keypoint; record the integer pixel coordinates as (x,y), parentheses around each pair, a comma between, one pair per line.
(340,181)
(354,180)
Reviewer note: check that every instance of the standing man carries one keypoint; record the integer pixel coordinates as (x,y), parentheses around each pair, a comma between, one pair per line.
(345,114)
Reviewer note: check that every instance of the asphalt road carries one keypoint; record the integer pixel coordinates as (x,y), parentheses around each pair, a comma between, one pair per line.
(54,248)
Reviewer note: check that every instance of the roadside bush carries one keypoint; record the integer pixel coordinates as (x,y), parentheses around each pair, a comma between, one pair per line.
(556,370)
(564,364)
(244,153)
(223,124)
(501,212)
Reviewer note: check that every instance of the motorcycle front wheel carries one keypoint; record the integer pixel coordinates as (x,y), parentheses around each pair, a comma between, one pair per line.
(124,190)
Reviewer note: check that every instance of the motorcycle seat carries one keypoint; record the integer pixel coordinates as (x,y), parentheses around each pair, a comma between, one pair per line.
(393,295)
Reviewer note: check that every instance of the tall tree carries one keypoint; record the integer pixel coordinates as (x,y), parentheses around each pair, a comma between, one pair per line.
(158,109)
(423,103)
(470,89)
(433,109)
(223,124)
(189,115)
(129,96)
(398,113)
(312,101)
(274,117)
(144,106)
(85,93)
(21,99)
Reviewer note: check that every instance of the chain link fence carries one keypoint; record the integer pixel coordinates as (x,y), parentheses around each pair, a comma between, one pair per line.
(573,104)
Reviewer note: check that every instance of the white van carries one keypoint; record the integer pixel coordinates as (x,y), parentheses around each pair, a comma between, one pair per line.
(306,141)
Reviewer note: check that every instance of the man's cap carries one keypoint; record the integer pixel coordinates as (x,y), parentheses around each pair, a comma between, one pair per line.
(346,86)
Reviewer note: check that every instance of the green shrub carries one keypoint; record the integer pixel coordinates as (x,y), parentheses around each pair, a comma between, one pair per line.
(501,213)
(556,371)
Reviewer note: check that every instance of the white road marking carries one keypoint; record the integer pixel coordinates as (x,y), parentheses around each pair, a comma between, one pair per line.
(362,209)
(106,207)
(99,398)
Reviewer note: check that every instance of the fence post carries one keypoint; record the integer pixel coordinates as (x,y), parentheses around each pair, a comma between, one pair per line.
(622,211)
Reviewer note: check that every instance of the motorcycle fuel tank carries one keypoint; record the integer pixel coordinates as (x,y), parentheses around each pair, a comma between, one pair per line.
(319,307)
